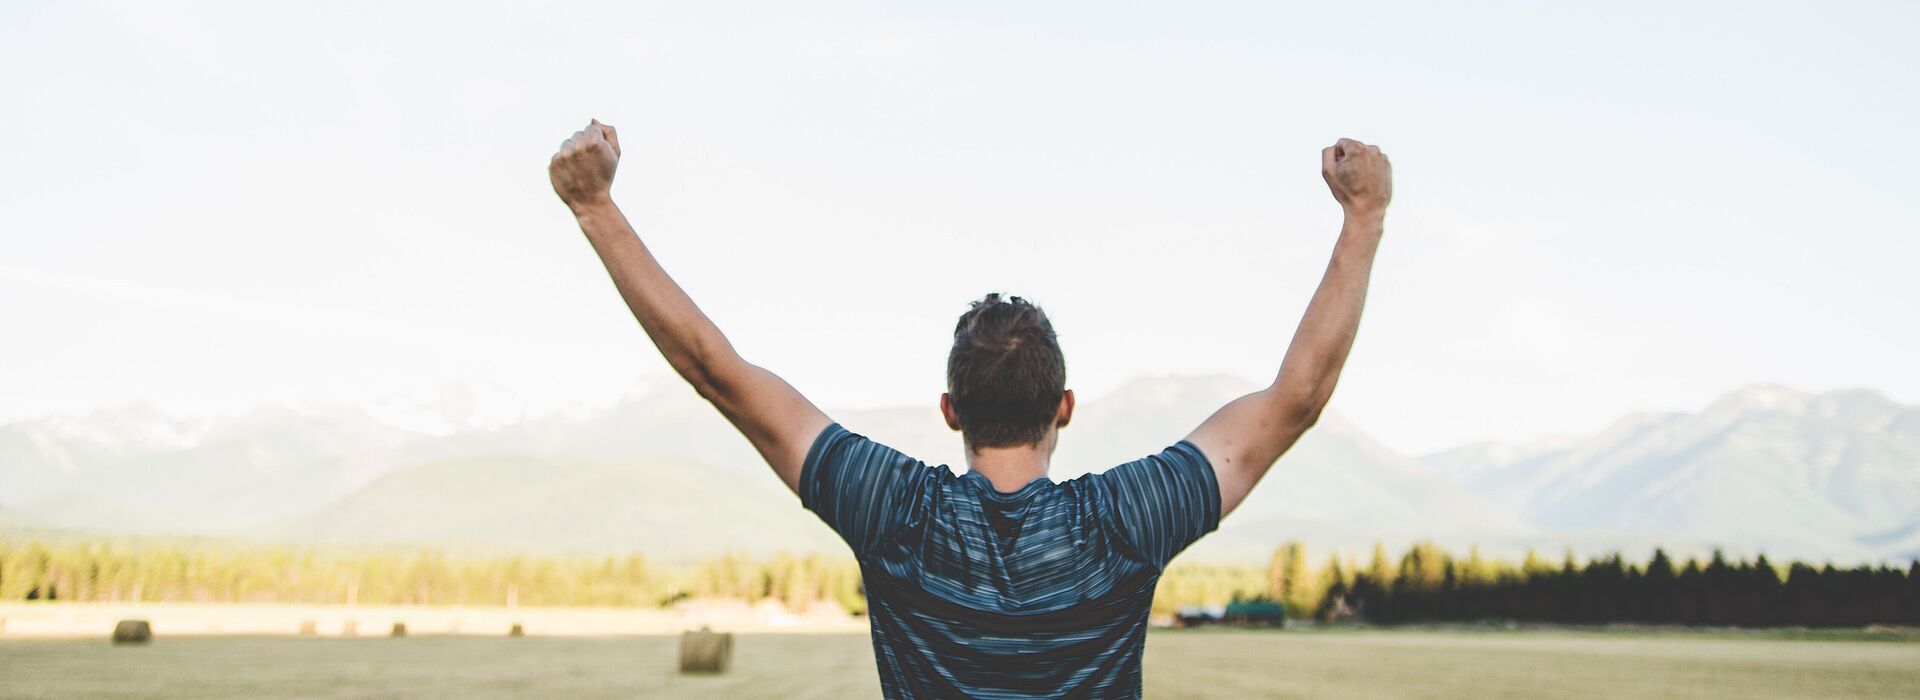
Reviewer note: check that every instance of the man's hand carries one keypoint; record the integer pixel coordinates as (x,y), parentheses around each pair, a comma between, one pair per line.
(582,172)
(1360,176)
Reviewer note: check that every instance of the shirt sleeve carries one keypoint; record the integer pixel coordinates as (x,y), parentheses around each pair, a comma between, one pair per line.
(1160,504)
(867,492)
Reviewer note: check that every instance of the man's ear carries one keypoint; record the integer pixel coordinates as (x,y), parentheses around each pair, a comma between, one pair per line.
(1066,410)
(946,410)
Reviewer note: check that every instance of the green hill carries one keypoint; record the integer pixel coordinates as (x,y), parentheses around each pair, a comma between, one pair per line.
(664,509)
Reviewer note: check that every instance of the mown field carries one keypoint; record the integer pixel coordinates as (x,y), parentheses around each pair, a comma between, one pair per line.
(1180,664)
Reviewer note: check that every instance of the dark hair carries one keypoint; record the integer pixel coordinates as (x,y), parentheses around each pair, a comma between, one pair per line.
(1005,373)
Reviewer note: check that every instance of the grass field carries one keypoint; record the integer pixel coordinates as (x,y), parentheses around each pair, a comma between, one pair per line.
(1180,664)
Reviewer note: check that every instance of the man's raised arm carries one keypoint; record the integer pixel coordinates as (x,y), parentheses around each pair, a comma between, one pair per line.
(1244,438)
(779,422)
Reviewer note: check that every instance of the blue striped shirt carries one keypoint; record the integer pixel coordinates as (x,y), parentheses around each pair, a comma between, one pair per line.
(1043,591)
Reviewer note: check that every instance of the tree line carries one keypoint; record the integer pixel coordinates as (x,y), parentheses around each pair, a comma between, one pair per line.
(1423,584)
(1429,584)
(80,571)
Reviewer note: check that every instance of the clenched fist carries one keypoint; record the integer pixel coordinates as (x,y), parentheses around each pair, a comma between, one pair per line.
(582,172)
(1359,175)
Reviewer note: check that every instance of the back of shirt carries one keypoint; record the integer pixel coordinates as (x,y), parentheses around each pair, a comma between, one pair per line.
(1041,591)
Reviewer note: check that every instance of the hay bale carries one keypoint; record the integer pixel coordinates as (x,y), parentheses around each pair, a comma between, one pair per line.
(349,628)
(309,628)
(705,651)
(399,629)
(132,632)
(517,631)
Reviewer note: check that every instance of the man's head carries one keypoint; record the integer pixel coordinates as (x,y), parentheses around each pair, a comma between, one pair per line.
(1006,378)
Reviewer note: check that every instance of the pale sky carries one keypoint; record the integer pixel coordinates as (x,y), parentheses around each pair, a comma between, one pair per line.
(1598,210)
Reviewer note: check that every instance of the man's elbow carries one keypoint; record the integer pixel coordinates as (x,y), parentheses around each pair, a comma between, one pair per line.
(1309,415)
(720,382)
(703,386)
(706,382)
(1301,417)
(1301,410)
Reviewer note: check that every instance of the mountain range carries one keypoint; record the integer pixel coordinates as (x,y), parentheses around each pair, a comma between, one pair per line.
(1824,477)
(1831,476)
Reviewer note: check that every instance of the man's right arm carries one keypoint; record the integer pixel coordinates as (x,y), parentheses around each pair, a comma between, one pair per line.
(1244,438)
(780,422)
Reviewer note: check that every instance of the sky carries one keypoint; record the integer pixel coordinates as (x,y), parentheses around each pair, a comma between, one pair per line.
(1598,210)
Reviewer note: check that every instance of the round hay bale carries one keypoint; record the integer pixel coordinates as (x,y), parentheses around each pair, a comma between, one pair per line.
(309,628)
(705,651)
(517,631)
(399,629)
(132,632)
(349,628)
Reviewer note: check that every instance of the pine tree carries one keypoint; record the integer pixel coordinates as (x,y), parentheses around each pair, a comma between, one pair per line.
(1336,583)
(1277,572)
(1475,572)
(1423,568)
(22,574)
(1660,567)
(1655,599)
(1534,566)
(1912,604)
(1336,575)
(1380,570)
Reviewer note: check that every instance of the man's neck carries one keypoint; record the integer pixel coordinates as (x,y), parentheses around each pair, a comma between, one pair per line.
(1010,468)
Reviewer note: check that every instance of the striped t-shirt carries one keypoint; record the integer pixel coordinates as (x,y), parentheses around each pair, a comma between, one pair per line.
(1043,591)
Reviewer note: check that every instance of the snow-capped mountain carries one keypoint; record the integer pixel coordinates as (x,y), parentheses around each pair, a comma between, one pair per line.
(142,469)
(1822,476)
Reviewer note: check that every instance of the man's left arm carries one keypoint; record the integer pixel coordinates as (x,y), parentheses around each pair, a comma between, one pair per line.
(777,419)
(1244,438)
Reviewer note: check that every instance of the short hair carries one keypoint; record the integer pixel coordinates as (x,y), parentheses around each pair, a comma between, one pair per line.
(1005,373)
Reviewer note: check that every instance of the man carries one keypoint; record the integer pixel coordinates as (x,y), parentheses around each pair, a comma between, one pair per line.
(1001,582)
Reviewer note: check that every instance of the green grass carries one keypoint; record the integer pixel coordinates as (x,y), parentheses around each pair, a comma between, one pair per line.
(1180,664)
(1526,664)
